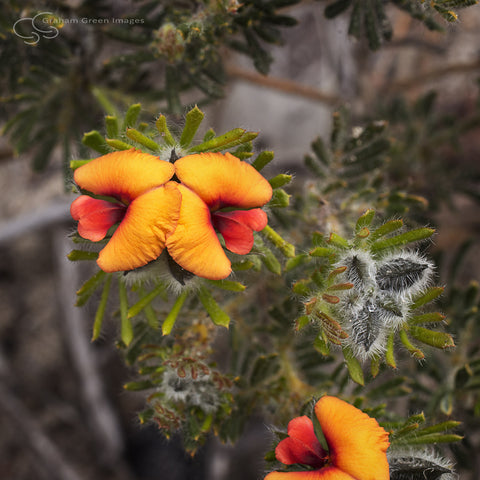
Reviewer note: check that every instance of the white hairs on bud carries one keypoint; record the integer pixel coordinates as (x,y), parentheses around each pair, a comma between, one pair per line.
(419,465)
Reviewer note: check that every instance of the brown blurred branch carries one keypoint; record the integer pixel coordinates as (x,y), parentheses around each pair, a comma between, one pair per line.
(286,86)
(421,79)
(100,414)
(38,219)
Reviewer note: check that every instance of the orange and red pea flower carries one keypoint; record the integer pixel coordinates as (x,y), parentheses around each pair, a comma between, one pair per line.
(217,192)
(356,444)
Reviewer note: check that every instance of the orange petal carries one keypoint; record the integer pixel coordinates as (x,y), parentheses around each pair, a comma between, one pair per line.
(327,473)
(357,444)
(140,237)
(222,180)
(124,175)
(194,245)
(302,445)
(95,217)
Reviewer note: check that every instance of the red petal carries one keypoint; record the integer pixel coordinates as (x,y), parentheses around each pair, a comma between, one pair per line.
(236,228)
(95,217)
(302,445)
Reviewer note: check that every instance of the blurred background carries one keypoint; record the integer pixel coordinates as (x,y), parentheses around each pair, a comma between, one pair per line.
(63,411)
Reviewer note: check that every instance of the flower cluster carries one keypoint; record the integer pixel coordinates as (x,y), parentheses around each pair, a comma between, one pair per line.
(380,297)
(177,207)
(190,390)
(356,445)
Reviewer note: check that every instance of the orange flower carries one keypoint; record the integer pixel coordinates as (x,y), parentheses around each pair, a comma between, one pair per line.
(219,192)
(146,206)
(154,213)
(357,445)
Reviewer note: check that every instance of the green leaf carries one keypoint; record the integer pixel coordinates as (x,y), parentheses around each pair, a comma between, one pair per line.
(111,125)
(313,165)
(371,131)
(286,248)
(228,285)
(79,255)
(146,300)
(269,259)
(434,438)
(138,386)
(132,114)
(296,261)
(439,427)
(432,338)
(218,316)
(375,366)
(74,164)
(264,367)
(118,144)
(162,128)
(169,322)
(416,352)
(139,137)
(96,141)
(302,322)
(234,137)
(280,180)
(100,313)
(209,134)
(425,297)
(430,317)
(389,353)
(280,199)
(87,289)
(364,220)
(353,365)
(336,8)
(99,94)
(385,229)
(301,287)
(371,30)
(126,328)
(321,345)
(321,151)
(322,252)
(152,318)
(338,241)
(193,120)
(355,26)
(402,239)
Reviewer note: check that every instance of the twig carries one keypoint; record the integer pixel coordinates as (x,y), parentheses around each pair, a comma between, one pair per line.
(415,43)
(282,85)
(44,217)
(421,79)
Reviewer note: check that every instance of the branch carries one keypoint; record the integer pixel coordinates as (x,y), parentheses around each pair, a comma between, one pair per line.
(282,85)
(421,79)
(102,418)
(38,219)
